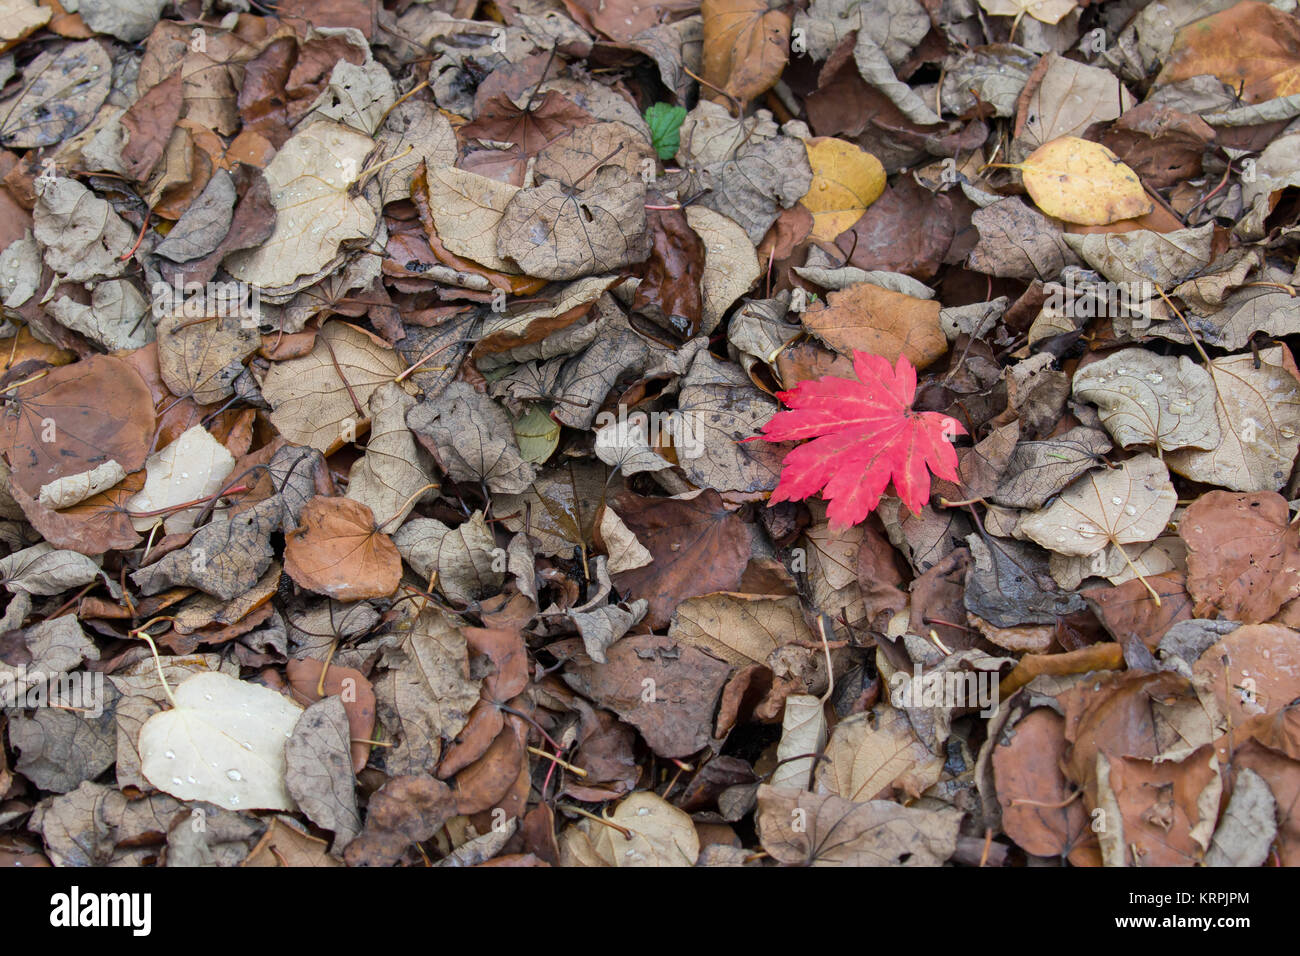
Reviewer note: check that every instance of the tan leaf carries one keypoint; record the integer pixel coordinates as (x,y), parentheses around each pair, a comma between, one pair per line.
(805,829)
(200,358)
(389,475)
(662,835)
(472,438)
(803,734)
(1129,504)
(1259,424)
(317,206)
(1046,11)
(311,397)
(18,18)
(731,265)
(872,752)
(1150,399)
(467,210)
(428,689)
(462,558)
(742,629)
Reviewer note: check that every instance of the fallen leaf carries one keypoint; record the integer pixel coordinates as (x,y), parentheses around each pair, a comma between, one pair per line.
(1243,555)
(61,94)
(222,742)
(311,180)
(1258,408)
(318,770)
(846,180)
(1150,399)
(698,546)
(558,232)
(1130,504)
(75,418)
(868,318)
(337,551)
(1219,43)
(865,434)
(661,835)
(746,43)
(312,396)
(871,753)
(804,829)
(1083,182)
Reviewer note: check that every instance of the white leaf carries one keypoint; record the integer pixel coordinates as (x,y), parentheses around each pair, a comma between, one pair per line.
(223,743)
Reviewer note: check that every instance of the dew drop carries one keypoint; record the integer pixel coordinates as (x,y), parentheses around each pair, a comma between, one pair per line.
(234,775)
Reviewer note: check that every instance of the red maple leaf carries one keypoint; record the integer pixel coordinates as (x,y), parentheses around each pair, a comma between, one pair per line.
(864,433)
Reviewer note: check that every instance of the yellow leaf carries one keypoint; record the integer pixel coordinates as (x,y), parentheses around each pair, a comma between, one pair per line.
(1083,182)
(846,180)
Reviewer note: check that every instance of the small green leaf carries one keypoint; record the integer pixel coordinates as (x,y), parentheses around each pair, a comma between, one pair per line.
(537,434)
(665,123)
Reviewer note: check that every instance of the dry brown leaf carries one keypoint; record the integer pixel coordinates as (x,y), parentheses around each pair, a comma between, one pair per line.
(1243,555)
(871,753)
(389,477)
(746,45)
(558,232)
(75,418)
(804,829)
(337,551)
(201,358)
(312,397)
(741,629)
(1150,399)
(869,318)
(317,204)
(1259,423)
